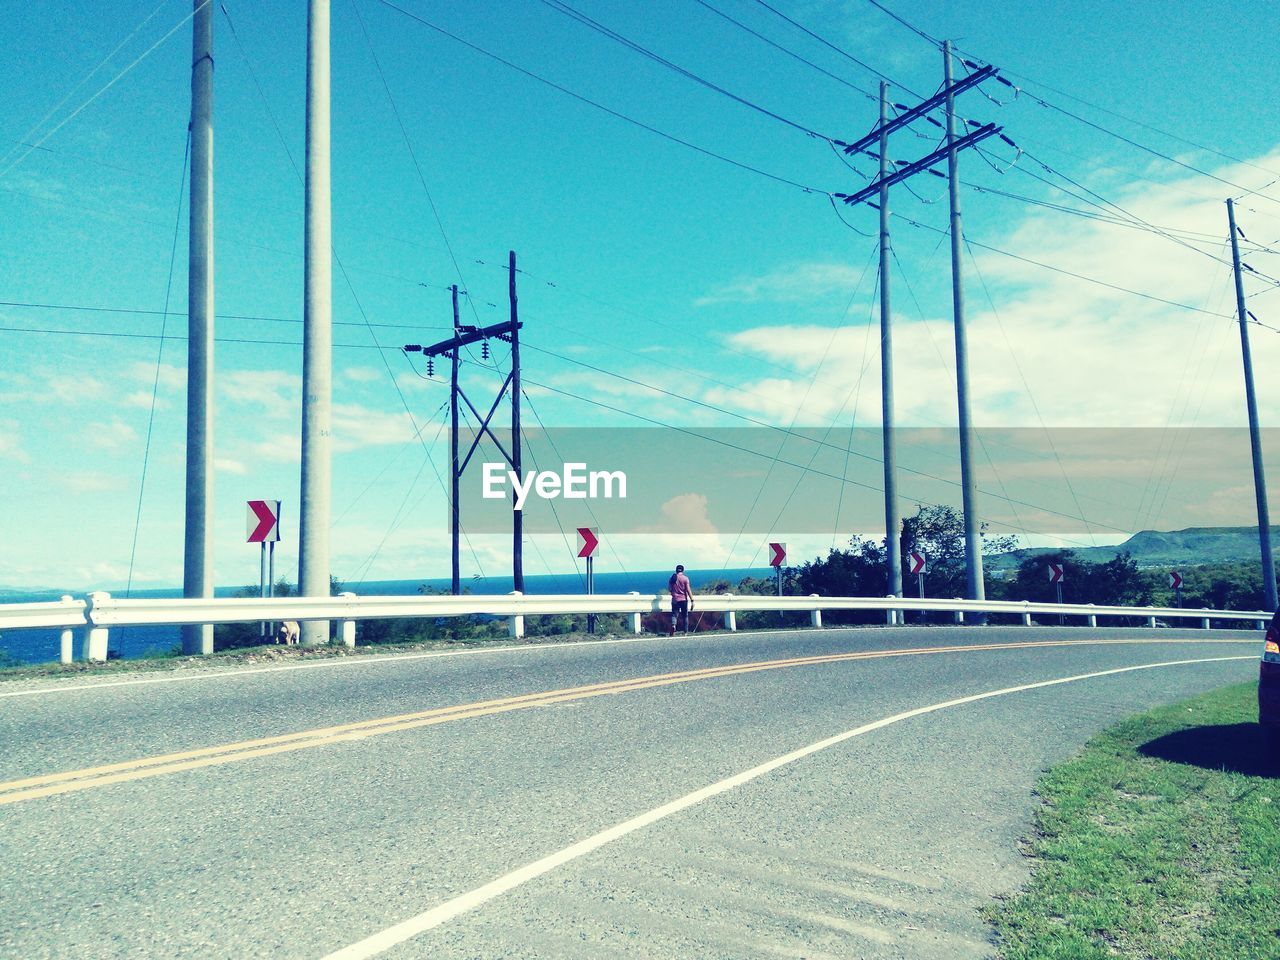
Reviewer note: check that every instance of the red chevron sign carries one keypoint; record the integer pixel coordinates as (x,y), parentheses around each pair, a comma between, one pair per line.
(590,539)
(1056,573)
(264,521)
(778,554)
(1175,580)
(917,563)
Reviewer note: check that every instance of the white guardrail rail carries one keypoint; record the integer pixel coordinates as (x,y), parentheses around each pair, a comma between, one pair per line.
(101,611)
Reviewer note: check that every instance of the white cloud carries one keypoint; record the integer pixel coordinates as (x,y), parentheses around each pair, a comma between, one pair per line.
(111,435)
(271,393)
(361,374)
(227,465)
(791,284)
(11,449)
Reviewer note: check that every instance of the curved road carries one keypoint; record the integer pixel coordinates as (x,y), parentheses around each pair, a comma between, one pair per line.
(835,793)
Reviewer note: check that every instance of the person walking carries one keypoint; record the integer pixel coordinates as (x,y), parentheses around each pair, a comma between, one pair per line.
(681,598)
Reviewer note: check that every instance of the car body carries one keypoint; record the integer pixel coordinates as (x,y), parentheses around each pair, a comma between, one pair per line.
(1269,684)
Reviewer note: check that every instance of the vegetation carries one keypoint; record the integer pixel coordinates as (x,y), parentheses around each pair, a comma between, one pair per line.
(1160,840)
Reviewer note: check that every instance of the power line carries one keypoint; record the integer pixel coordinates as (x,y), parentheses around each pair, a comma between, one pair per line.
(132,311)
(35,127)
(1069,273)
(155,383)
(104,88)
(564,9)
(789,52)
(1090,123)
(840,50)
(601,107)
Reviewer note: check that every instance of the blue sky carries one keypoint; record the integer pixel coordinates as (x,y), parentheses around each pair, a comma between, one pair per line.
(668,266)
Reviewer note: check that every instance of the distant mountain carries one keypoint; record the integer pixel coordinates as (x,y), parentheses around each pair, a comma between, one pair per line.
(1153,548)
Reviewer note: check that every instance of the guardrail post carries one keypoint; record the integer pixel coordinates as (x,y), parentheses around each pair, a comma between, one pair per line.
(1261,624)
(347,628)
(730,616)
(1204,621)
(815,616)
(95,638)
(1026,616)
(959,613)
(1093,618)
(68,638)
(1151,621)
(891,615)
(515,623)
(635,617)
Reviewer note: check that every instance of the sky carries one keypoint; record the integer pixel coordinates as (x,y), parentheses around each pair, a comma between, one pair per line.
(735,293)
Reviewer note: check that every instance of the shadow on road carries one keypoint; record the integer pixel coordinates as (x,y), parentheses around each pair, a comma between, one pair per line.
(1237,747)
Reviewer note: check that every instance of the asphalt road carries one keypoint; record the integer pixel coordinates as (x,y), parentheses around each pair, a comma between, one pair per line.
(569,825)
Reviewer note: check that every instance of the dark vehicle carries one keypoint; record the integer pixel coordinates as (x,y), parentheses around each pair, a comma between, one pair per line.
(1269,686)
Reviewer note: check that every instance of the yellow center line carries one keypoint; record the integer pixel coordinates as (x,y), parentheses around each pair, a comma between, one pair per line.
(69,781)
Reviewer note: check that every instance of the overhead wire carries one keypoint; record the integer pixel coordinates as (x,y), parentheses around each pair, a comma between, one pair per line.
(120,75)
(600,106)
(574,14)
(35,128)
(155,383)
(342,270)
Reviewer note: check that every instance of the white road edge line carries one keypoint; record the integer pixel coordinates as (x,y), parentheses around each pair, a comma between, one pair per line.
(381,659)
(436,916)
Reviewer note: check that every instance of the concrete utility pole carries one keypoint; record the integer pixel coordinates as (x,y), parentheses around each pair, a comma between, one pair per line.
(197,567)
(317,331)
(1255,438)
(893,551)
(968,482)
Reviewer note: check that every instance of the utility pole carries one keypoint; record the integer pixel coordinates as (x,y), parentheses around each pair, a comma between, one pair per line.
(455,525)
(889,175)
(197,567)
(517,516)
(1255,437)
(317,331)
(464,334)
(893,552)
(968,482)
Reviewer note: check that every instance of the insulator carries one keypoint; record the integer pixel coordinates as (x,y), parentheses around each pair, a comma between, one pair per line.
(484,350)
(431,367)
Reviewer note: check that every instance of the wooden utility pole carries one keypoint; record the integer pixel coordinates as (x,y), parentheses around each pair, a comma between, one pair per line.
(464,334)
(892,521)
(968,481)
(889,175)
(1255,437)
(455,525)
(517,516)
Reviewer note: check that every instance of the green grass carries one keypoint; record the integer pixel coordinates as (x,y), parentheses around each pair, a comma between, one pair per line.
(1161,842)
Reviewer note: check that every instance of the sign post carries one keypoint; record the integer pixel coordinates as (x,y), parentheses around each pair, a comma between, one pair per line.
(918,565)
(588,541)
(1175,581)
(1057,573)
(263,528)
(777,557)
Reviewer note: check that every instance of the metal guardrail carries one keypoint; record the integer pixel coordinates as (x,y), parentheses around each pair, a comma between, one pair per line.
(102,611)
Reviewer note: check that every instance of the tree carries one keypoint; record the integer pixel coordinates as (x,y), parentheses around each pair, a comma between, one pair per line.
(938,531)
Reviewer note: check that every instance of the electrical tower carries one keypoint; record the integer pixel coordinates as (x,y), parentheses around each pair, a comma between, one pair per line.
(464,335)
(891,173)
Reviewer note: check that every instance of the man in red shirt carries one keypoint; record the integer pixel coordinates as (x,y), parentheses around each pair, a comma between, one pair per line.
(681,598)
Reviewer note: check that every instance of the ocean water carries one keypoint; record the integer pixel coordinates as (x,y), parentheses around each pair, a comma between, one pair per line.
(42,646)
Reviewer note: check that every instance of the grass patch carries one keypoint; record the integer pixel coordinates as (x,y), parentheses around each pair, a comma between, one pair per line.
(1161,841)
